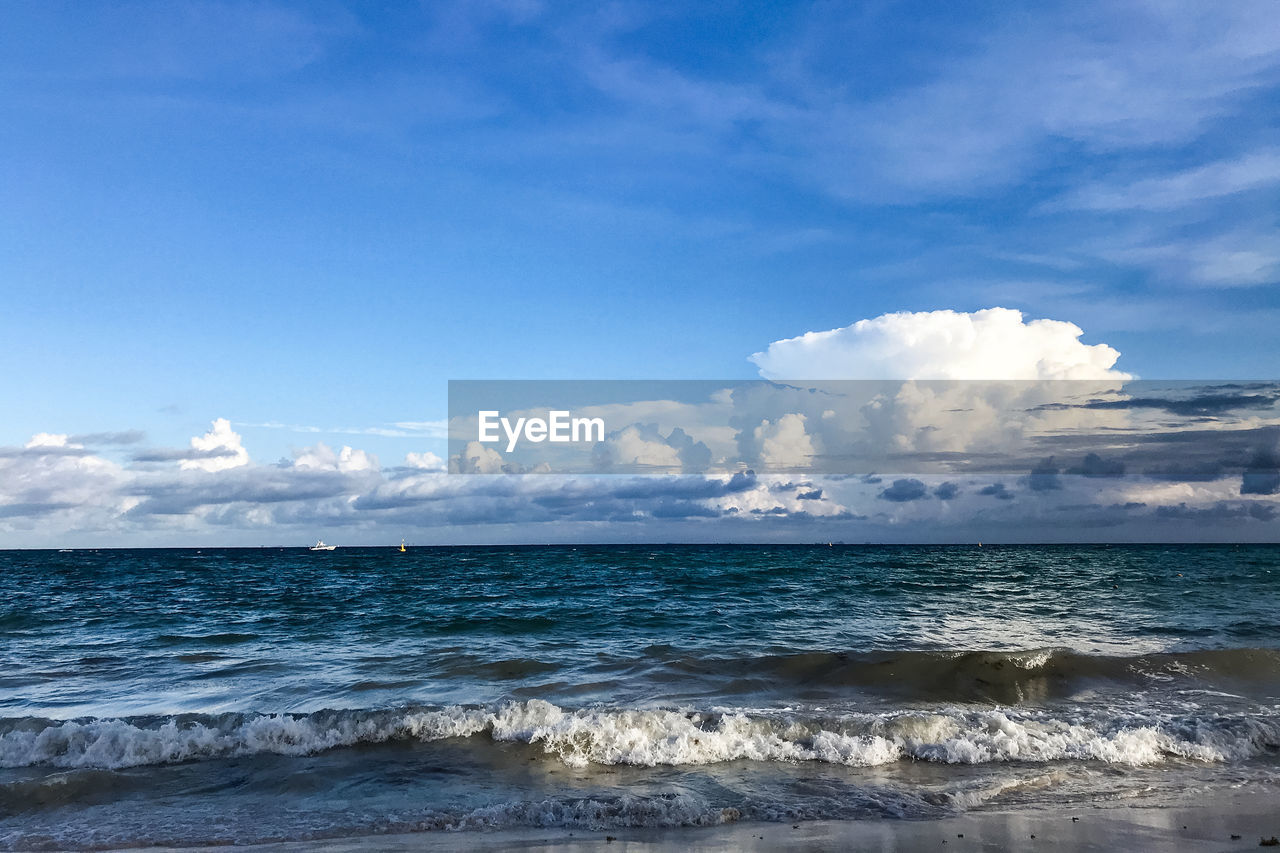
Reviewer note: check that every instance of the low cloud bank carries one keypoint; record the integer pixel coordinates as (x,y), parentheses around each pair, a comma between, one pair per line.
(60,487)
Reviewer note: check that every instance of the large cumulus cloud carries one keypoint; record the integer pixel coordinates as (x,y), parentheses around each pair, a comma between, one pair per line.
(996,343)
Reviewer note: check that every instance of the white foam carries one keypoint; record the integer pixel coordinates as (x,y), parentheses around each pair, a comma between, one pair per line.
(661,737)
(120,743)
(674,810)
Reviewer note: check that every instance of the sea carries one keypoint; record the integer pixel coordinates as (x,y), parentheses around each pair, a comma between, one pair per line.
(237,696)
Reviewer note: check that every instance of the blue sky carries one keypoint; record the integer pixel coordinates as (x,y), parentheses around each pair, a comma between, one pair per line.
(315,214)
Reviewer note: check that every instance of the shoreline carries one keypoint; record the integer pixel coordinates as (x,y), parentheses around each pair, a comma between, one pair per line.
(1197,825)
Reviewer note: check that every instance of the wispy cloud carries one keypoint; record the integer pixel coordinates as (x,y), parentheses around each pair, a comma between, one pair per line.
(1252,171)
(399,429)
(1228,260)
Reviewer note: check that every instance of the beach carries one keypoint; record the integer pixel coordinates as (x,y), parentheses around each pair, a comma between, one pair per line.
(1194,827)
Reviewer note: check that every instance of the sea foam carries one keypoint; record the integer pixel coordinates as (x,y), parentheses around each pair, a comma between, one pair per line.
(648,737)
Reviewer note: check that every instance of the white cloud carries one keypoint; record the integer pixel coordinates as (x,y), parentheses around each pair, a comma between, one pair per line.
(784,442)
(765,499)
(44,482)
(223,446)
(1173,494)
(642,448)
(424,461)
(50,439)
(476,458)
(321,457)
(995,343)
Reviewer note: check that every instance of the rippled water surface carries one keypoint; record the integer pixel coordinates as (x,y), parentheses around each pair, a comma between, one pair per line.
(162,696)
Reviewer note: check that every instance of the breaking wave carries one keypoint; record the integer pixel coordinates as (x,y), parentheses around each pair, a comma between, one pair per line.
(1004,677)
(649,737)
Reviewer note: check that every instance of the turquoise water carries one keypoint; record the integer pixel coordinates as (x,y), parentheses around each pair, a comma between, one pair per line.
(184,696)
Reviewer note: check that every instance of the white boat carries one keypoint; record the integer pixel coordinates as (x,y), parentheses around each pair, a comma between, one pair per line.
(320,546)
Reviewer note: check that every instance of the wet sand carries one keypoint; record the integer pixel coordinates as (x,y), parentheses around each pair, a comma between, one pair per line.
(1204,825)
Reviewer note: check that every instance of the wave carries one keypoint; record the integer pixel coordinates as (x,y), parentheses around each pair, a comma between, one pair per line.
(998,677)
(649,737)
(1004,677)
(222,639)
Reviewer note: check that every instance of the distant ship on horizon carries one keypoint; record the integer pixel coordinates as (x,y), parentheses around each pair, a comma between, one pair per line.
(320,546)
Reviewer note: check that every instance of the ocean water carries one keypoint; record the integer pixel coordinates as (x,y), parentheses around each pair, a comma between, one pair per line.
(248,695)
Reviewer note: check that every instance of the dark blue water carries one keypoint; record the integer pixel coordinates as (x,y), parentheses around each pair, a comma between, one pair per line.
(182,696)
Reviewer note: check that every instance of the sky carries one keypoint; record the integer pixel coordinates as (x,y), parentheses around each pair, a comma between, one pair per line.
(303,219)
